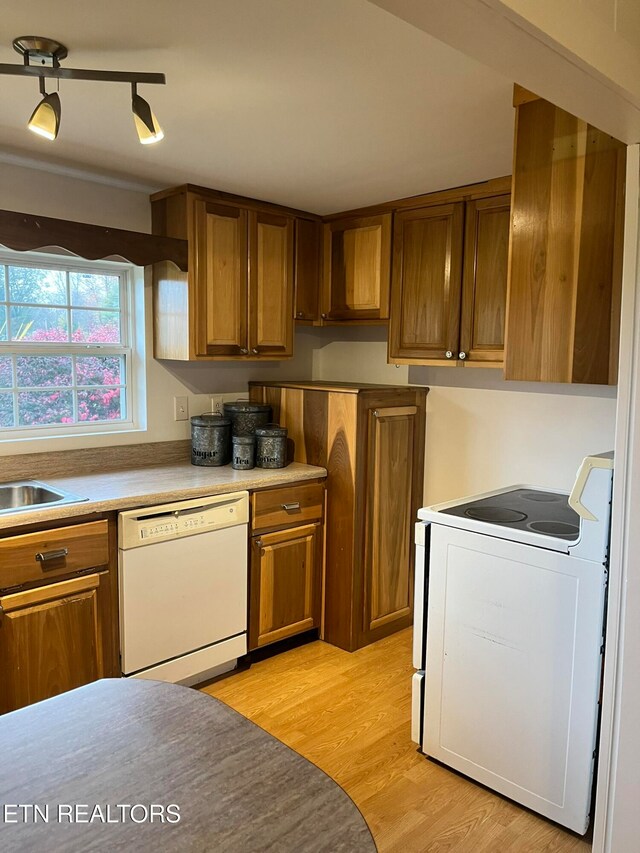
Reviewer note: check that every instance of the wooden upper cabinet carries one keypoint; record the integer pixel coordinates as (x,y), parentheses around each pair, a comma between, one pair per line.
(271,286)
(221,274)
(307,271)
(484,288)
(563,303)
(356,265)
(237,299)
(426,283)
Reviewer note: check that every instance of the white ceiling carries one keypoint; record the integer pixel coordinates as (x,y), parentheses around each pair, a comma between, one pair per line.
(318,105)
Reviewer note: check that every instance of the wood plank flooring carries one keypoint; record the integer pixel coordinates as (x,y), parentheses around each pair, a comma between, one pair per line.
(350,715)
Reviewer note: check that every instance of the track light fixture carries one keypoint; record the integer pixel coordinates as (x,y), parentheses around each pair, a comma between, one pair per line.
(146,123)
(42,59)
(45,119)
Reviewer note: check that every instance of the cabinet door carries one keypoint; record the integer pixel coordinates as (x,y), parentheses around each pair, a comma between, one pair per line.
(426,284)
(565,267)
(285,584)
(271,285)
(308,261)
(392,444)
(357,254)
(221,279)
(484,288)
(51,640)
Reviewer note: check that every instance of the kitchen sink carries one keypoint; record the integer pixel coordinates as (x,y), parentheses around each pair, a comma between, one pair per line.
(29,494)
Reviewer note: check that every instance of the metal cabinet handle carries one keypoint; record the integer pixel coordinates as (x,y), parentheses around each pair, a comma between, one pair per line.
(45,556)
(290,507)
(255,351)
(324,316)
(449,354)
(244,350)
(462,355)
(300,314)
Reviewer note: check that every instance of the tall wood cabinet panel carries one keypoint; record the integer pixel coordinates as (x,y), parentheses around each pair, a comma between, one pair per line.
(308,270)
(484,288)
(565,256)
(427,279)
(357,253)
(371,441)
(237,300)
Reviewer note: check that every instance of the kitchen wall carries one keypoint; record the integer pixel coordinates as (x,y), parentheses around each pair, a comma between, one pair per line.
(28,188)
(481,431)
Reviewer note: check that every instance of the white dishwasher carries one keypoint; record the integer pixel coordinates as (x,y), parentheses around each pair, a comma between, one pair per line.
(183,588)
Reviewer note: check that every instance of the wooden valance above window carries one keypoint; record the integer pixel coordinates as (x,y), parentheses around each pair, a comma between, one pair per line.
(25,232)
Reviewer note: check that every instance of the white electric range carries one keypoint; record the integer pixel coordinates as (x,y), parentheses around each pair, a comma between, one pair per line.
(508,638)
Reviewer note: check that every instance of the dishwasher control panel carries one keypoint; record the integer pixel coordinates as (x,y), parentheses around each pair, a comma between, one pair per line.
(185,518)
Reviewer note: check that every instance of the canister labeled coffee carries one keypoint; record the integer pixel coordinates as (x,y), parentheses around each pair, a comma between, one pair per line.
(271,446)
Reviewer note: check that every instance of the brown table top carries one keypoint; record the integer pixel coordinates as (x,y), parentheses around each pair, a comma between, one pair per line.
(96,760)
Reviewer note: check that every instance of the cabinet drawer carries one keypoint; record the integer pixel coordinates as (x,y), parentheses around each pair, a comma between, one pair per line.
(285,507)
(86,546)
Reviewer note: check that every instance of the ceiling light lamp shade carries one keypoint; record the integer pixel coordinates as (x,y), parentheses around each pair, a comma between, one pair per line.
(147,126)
(45,119)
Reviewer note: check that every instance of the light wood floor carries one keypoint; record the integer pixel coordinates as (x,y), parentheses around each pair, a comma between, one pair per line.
(349,714)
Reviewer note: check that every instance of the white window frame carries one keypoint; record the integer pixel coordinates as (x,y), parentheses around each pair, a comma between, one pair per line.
(129,347)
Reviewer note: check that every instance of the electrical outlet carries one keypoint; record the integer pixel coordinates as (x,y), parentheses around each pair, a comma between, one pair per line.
(217,401)
(181,408)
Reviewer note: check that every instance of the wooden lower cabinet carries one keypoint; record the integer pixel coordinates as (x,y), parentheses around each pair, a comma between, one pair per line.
(370,438)
(57,635)
(286,578)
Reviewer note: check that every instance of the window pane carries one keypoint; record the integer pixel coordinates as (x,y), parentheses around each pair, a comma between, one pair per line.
(39,324)
(6,376)
(39,286)
(45,407)
(3,295)
(42,370)
(3,323)
(100,404)
(90,290)
(99,370)
(6,410)
(101,327)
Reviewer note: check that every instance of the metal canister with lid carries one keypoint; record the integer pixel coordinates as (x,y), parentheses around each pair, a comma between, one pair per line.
(271,446)
(246,416)
(210,440)
(243,452)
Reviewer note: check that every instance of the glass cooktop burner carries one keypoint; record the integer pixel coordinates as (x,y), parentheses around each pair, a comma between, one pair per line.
(542,512)
(555,528)
(496,514)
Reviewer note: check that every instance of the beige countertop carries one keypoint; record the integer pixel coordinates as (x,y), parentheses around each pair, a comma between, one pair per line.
(134,487)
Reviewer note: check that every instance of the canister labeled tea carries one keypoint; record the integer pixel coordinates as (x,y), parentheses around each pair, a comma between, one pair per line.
(243,452)
(210,440)
(271,446)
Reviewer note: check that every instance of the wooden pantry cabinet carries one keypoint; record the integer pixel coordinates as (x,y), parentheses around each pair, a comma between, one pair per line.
(356,264)
(286,557)
(371,441)
(565,268)
(58,611)
(237,300)
(449,278)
